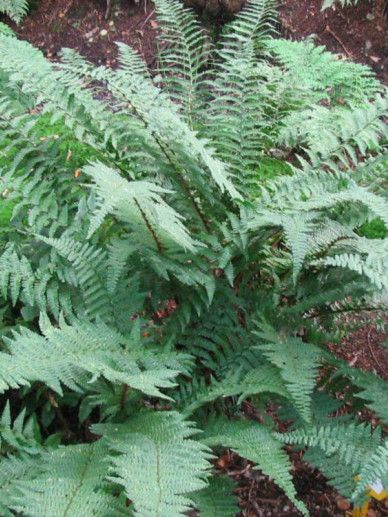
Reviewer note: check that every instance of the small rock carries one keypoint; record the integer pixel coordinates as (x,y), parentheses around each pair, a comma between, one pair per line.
(91,32)
(368,45)
(375,59)
(342,504)
(370,17)
(111,23)
(103,33)
(90,40)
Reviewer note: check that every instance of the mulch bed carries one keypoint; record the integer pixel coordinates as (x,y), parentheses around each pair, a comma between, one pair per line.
(359,33)
(57,24)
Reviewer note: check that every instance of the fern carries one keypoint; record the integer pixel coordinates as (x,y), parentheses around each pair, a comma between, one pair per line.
(158,445)
(57,357)
(256,443)
(174,244)
(217,499)
(15,9)
(354,445)
(68,480)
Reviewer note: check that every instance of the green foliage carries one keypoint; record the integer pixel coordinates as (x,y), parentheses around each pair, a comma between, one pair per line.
(343,3)
(15,9)
(167,251)
(157,462)
(216,500)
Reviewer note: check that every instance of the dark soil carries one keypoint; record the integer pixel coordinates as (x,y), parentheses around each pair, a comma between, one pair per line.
(57,24)
(359,33)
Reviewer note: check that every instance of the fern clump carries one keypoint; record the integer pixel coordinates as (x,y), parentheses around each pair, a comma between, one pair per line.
(173,248)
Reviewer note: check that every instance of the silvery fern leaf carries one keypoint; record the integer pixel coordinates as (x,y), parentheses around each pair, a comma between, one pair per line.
(69,481)
(138,203)
(156,460)
(78,354)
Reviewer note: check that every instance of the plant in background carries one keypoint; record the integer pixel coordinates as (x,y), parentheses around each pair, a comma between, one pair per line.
(174,248)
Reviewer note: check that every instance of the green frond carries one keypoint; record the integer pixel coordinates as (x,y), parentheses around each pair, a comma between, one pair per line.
(15,9)
(329,136)
(351,443)
(262,379)
(183,53)
(19,282)
(217,499)
(374,390)
(79,354)
(323,74)
(69,481)
(256,443)
(14,469)
(253,24)
(138,203)
(375,469)
(338,475)
(20,435)
(298,364)
(157,462)
(364,256)
(87,263)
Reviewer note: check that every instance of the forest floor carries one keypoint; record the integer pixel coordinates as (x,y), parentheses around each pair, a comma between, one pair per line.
(359,33)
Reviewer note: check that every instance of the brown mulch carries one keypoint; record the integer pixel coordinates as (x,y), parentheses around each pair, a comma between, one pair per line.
(358,32)
(363,349)
(57,24)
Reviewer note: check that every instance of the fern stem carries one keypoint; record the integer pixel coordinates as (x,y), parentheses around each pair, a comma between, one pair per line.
(123,396)
(149,226)
(184,184)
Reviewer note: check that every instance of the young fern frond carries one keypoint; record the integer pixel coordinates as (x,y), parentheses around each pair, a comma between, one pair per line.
(253,24)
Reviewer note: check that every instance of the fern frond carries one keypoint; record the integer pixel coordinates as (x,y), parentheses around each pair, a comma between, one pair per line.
(138,203)
(69,481)
(351,443)
(217,499)
(376,468)
(324,74)
(262,379)
(19,435)
(256,443)
(15,9)
(183,53)
(298,363)
(18,281)
(77,355)
(157,462)
(14,469)
(253,24)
